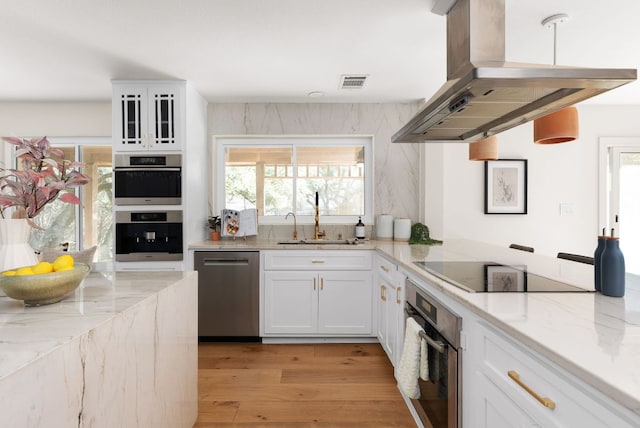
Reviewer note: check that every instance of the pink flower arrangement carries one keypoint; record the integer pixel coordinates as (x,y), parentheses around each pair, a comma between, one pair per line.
(42,179)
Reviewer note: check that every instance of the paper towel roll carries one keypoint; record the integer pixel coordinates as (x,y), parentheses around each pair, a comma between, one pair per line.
(401,229)
(384,227)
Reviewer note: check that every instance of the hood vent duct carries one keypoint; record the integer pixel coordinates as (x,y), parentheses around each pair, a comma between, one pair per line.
(485,95)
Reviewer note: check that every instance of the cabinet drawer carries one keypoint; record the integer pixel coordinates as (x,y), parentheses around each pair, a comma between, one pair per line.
(387,271)
(317,260)
(513,369)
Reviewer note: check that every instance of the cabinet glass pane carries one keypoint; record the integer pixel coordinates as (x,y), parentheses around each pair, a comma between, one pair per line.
(131,123)
(164,118)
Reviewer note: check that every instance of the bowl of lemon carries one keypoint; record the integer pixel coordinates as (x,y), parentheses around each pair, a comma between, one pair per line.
(44,282)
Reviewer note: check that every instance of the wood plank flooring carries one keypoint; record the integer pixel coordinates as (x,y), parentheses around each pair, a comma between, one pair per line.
(309,385)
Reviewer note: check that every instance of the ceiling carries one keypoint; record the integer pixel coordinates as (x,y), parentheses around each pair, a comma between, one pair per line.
(281,50)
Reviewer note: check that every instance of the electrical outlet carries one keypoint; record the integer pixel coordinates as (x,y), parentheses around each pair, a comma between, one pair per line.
(567,209)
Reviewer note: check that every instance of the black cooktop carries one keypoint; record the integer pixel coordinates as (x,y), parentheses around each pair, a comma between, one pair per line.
(489,277)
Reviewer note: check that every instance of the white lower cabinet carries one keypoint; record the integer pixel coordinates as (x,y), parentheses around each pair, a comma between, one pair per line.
(312,299)
(511,386)
(390,304)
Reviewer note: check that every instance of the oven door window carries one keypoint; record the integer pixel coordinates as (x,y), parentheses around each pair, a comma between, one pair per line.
(148,183)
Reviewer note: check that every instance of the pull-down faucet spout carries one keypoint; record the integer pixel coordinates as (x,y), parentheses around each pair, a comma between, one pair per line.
(295,225)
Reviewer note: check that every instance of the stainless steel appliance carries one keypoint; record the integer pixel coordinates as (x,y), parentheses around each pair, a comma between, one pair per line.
(228,295)
(484,94)
(490,277)
(148,235)
(439,405)
(148,179)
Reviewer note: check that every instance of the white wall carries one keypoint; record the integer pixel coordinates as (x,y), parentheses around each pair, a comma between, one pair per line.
(53,119)
(56,119)
(563,173)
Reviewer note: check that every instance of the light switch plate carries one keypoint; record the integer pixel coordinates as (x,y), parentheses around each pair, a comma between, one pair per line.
(567,209)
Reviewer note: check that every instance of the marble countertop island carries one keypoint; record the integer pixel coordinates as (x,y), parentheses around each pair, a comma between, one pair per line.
(122,348)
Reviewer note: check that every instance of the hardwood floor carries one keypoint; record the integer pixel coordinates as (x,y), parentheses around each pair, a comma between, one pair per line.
(309,385)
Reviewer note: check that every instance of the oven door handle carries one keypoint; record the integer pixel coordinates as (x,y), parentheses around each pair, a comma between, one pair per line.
(440,347)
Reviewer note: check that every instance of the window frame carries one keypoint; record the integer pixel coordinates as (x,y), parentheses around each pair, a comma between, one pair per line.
(76,143)
(221,142)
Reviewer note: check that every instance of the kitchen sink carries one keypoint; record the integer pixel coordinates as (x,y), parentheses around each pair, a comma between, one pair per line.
(318,242)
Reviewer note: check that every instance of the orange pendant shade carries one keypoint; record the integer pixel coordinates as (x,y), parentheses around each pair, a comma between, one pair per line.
(558,127)
(482,150)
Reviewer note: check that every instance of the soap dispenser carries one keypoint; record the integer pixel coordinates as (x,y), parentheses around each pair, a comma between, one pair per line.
(360,229)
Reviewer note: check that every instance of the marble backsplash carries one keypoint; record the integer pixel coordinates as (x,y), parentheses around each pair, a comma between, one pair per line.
(396,166)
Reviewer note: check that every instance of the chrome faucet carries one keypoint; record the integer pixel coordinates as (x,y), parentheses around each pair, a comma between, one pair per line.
(295,225)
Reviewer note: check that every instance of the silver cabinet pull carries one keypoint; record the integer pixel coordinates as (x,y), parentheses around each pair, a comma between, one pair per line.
(317,261)
(546,402)
(383,293)
(398,301)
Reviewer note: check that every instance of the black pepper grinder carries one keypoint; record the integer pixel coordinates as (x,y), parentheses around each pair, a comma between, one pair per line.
(360,229)
(613,268)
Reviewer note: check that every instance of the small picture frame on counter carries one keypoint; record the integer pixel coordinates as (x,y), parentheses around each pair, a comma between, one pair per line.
(505,186)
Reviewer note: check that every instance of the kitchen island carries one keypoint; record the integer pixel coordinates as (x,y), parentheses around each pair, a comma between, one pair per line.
(121,351)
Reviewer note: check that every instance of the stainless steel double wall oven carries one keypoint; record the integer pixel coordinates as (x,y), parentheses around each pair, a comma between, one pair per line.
(146,184)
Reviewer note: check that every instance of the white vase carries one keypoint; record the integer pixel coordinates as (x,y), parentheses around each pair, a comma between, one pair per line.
(15,250)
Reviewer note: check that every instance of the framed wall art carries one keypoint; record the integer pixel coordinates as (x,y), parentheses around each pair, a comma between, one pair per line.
(505,186)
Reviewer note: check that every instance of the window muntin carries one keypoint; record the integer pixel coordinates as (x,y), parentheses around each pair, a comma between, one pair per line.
(281,174)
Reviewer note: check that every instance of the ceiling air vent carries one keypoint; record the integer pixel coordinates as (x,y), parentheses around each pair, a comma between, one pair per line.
(352,81)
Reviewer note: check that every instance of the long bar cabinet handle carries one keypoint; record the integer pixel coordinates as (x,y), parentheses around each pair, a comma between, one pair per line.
(383,293)
(384,268)
(317,261)
(314,284)
(321,283)
(546,402)
(398,290)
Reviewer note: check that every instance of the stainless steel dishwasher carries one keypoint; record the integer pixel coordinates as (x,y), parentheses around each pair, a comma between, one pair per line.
(228,295)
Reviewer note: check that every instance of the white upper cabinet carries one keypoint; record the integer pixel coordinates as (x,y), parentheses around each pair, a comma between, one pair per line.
(148,116)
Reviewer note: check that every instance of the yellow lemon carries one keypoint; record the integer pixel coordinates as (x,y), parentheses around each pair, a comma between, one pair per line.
(27,270)
(65,268)
(43,267)
(9,273)
(63,262)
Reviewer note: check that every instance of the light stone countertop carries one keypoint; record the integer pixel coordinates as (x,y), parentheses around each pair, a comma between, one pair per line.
(594,337)
(28,333)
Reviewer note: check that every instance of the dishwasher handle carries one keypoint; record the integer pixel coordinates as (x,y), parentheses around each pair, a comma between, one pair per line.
(225,262)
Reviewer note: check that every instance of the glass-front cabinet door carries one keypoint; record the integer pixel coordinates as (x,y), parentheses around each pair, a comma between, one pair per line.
(163,118)
(146,117)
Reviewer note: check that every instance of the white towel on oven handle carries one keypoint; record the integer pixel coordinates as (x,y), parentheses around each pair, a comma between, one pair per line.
(410,361)
(424,360)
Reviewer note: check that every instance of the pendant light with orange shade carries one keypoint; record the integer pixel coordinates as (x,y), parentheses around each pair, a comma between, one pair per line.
(560,126)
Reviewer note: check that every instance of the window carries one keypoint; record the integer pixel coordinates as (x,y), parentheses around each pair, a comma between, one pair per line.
(281,174)
(90,223)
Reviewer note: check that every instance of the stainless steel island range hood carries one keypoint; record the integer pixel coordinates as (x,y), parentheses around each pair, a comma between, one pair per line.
(484,94)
